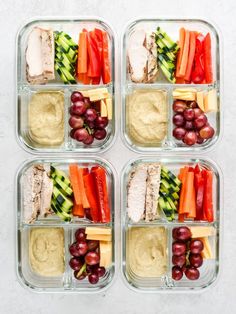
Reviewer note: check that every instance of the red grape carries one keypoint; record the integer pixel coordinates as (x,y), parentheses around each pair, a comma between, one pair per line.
(75,263)
(81,276)
(190,138)
(72,133)
(179,260)
(90,124)
(74,250)
(76,122)
(93,245)
(92,258)
(91,268)
(82,247)
(197,112)
(192,273)
(90,114)
(78,108)
(76,96)
(100,271)
(93,278)
(189,125)
(193,104)
(200,121)
(196,260)
(81,134)
(178,248)
(207,132)
(181,233)
(178,119)
(89,140)
(177,273)
(196,246)
(101,122)
(199,139)
(179,133)
(179,106)
(189,114)
(80,235)
(100,134)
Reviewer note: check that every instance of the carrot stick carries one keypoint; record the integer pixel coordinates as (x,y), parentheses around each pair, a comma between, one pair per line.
(188,205)
(180,80)
(192,198)
(82,53)
(183,188)
(74,175)
(192,47)
(184,60)
(82,189)
(181,47)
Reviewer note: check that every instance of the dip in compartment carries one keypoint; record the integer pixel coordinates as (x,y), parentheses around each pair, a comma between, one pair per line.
(147,116)
(146,251)
(46,118)
(46,251)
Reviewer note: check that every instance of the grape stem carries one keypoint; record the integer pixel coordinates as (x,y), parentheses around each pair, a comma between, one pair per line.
(82,269)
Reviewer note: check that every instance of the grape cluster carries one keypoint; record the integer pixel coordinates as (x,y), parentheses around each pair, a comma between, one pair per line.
(187,257)
(85,120)
(191,124)
(86,258)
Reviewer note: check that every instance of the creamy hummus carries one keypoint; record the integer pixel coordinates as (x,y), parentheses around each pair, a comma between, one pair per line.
(46,251)
(46,118)
(146,251)
(147,116)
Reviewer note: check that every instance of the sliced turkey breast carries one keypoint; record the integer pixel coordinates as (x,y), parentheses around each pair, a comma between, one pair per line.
(48,53)
(137,193)
(152,69)
(152,191)
(46,193)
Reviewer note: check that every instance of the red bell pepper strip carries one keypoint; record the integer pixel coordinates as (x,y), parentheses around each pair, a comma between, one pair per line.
(207,59)
(90,190)
(101,188)
(106,68)
(199,187)
(208,196)
(198,74)
(94,60)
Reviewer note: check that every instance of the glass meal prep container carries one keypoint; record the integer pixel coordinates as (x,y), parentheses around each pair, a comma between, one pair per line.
(144,130)
(49,237)
(29,92)
(147,244)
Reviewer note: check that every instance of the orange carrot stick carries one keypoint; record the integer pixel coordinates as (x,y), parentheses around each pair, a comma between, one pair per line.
(184,60)
(82,189)
(78,209)
(192,47)
(181,48)
(188,201)
(82,53)
(183,189)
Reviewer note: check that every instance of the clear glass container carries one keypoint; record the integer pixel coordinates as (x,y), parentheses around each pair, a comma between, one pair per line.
(25,90)
(169,143)
(66,282)
(209,271)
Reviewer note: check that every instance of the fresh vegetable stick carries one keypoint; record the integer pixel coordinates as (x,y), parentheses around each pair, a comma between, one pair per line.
(183,190)
(90,190)
(82,54)
(192,47)
(188,195)
(106,68)
(192,197)
(208,197)
(181,47)
(73,171)
(184,60)
(94,60)
(101,188)
(199,187)
(180,80)
(207,59)
(82,189)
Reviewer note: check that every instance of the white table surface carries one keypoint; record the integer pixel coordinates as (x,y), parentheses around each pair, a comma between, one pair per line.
(118,299)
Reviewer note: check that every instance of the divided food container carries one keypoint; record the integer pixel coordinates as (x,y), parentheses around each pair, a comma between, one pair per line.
(134,136)
(25,90)
(66,281)
(140,250)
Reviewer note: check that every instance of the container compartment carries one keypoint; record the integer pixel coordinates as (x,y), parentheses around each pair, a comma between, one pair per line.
(25,90)
(66,281)
(171,27)
(210,267)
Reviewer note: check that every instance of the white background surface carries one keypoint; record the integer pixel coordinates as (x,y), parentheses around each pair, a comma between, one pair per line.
(118,299)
